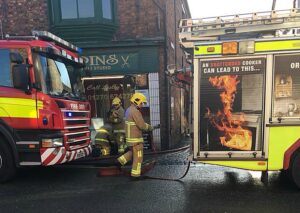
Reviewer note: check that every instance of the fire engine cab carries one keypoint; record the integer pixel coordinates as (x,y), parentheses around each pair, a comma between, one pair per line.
(44,117)
(246,90)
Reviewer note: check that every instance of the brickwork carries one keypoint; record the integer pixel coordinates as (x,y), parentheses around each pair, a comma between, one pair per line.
(139,19)
(22,16)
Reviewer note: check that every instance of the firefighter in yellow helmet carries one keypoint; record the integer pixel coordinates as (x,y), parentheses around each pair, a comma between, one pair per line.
(116,118)
(134,127)
(103,139)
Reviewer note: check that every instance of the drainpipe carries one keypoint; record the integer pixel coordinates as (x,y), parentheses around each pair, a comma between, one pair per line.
(166,110)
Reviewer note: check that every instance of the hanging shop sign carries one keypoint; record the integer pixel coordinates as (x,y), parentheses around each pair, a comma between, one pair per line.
(137,60)
(113,62)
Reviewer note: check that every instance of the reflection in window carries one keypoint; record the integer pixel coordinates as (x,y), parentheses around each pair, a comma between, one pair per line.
(68,9)
(73,9)
(5,79)
(86,8)
(286,98)
(106,9)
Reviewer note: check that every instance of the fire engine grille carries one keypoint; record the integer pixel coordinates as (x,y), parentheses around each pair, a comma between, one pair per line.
(76,124)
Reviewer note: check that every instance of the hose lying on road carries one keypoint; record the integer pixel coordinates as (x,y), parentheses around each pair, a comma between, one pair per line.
(99,159)
(154,153)
(171,179)
(167,152)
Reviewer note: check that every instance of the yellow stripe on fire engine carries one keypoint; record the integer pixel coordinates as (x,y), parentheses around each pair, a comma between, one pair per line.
(266,46)
(208,49)
(19,107)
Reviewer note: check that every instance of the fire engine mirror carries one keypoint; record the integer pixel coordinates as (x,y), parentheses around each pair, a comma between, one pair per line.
(20,76)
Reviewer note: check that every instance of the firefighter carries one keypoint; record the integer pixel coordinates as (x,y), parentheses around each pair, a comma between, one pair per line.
(116,118)
(103,139)
(134,127)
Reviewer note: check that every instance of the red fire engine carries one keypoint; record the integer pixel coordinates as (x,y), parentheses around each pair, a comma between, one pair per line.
(44,117)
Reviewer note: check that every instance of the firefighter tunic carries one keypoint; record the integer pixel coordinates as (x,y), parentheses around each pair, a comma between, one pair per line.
(102,139)
(116,118)
(134,127)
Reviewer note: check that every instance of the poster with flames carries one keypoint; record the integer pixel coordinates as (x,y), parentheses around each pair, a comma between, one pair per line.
(223,121)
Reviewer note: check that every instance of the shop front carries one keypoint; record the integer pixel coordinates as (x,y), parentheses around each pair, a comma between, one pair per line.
(120,73)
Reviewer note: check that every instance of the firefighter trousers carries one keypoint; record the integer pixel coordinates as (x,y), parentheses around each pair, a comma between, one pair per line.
(120,140)
(135,154)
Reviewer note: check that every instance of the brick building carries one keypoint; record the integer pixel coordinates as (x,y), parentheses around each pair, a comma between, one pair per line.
(127,44)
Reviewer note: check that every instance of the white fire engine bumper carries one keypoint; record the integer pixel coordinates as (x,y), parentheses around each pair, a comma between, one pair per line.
(59,155)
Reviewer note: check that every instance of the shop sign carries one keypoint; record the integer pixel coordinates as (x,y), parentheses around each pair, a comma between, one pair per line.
(232,66)
(111,62)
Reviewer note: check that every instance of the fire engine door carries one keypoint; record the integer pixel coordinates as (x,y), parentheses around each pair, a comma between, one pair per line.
(230,94)
(17,107)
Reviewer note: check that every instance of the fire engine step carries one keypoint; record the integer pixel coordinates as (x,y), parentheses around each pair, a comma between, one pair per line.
(116,171)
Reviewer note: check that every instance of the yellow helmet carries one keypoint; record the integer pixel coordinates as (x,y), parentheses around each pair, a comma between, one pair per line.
(138,98)
(116,101)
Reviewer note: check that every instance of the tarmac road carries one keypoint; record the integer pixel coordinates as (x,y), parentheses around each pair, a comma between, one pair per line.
(206,188)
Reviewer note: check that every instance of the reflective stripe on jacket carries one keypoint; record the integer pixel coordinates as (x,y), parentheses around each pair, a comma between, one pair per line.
(134,125)
(102,136)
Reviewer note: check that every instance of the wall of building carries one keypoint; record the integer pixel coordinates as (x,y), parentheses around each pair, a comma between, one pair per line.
(20,17)
(139,19)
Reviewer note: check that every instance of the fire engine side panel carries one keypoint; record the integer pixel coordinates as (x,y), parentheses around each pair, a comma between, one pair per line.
(281,138)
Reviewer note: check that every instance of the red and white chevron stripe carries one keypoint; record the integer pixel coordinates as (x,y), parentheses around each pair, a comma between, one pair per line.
(59,155)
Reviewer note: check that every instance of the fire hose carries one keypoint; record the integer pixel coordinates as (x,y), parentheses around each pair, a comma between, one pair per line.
(173,151)
(114,170)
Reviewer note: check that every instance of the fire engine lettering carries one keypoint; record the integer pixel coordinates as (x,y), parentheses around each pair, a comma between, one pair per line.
(81,106)
(209,70)
(235,69)
(248,68)
(252,62)
(205,65)
(223,69)
(295,65)
(74,106)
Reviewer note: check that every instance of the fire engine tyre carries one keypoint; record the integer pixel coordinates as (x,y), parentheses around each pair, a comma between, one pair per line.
(7,165)
(295,170)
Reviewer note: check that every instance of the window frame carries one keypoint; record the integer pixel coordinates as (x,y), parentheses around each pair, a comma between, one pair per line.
(56,15)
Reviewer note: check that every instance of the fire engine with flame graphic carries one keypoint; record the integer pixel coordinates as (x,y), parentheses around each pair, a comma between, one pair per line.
(44,118)
(246,99)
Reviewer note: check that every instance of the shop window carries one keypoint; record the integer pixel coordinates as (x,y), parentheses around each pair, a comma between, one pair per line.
(286,97)
(231,104)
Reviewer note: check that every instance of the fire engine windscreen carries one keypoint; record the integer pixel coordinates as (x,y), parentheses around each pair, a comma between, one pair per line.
(58,78)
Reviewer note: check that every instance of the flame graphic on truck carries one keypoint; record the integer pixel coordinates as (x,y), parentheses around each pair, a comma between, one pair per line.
(234,134)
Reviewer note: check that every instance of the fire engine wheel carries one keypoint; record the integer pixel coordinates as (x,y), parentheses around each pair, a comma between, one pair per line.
(7,166)
(295,170)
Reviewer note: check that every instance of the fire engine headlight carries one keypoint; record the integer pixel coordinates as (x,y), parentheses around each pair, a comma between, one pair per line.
(52,142)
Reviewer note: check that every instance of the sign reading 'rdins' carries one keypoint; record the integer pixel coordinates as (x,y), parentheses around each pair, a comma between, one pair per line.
(232,66)
(110,62)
